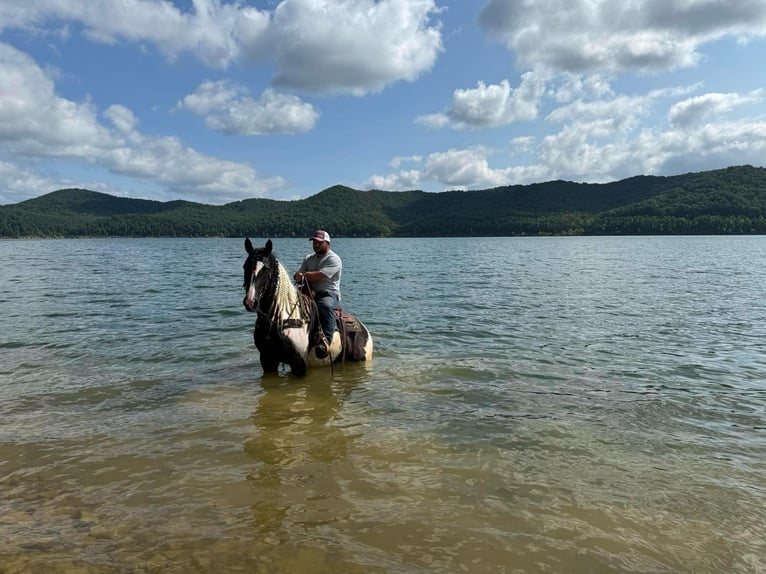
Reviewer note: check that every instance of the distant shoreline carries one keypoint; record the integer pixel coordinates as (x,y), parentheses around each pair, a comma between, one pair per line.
(730,201)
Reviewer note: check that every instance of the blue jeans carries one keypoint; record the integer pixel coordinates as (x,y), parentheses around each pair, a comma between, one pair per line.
(326,302)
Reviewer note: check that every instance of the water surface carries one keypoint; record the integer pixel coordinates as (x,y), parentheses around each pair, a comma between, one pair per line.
(534,405)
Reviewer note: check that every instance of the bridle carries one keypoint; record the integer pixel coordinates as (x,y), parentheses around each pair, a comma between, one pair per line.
(251,273)
(270,315)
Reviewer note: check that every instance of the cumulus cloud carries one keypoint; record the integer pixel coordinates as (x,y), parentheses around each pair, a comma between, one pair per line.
(402,180)
(490,106)
(464,169)
(323,46)
(604,140)
(229,109)
(33,118)
(570,155)
(613,139)
(569,87)
(351,46)
(612,35)
(122,118)
(212,96)
(720,144)
(399,160)
(37,123)
(19,183)
(213,30)
(695,110)
(620,113)
(37,176)
(456,168)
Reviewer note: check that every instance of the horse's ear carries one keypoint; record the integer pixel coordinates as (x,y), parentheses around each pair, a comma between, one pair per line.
(248,245)
(267,249)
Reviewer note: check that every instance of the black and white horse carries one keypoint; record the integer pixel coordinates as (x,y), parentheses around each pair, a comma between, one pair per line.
(287,324)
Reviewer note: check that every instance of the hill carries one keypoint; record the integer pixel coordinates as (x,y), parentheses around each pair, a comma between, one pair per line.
(731,200)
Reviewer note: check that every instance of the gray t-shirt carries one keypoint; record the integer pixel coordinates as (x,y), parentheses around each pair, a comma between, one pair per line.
(331,267)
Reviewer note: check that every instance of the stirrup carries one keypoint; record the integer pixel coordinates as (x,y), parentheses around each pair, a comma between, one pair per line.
(322,348)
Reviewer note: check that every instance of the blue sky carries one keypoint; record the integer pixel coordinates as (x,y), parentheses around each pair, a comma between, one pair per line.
(215,101)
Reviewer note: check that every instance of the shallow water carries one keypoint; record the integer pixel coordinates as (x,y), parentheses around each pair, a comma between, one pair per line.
(534,405)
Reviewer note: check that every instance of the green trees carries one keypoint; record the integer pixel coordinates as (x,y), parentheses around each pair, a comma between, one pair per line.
(731,200)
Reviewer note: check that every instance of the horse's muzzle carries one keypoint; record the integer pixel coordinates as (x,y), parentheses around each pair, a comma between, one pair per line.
(249,304)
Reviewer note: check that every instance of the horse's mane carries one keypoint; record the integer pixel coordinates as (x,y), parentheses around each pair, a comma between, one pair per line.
(285,294)
(287,300)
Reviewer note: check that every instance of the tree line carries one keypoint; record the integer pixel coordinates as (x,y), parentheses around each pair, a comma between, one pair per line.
(725,201)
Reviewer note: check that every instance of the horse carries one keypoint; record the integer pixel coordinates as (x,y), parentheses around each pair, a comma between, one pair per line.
(287,326)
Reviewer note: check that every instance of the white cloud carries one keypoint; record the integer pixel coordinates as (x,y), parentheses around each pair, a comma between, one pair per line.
(435,121)
(33,118)
(211,30)
(621,113)
(227,108)
(18,184)
(400,181)
(523,143)
(699,147)
(463,169)
(351,46)
(211,96)
(695,110)
(399,160)
(22,182)
(491,106)
(36,123)
(122,118)
(606,140)
(612,35)
(324,46)
(572,86)
(605,148)
(167,162)
(455,168)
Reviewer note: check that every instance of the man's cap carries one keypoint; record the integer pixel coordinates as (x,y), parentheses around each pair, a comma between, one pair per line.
(321,235)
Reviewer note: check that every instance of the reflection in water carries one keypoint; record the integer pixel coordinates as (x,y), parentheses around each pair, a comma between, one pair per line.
(300,447)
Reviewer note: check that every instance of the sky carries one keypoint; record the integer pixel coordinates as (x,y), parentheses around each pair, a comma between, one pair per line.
(216,101)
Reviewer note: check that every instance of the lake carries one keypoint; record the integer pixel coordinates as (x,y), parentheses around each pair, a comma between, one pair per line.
(568,404)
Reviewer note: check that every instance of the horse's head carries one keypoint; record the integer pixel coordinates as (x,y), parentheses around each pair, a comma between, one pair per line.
(259,266)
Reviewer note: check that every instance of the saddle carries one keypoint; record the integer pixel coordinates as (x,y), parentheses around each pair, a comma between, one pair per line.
(348,327)
(353,335)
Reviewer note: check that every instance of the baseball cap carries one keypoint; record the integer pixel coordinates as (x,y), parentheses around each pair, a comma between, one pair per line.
(321,235)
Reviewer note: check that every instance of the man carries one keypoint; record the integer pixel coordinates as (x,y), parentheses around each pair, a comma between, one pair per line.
(322,269)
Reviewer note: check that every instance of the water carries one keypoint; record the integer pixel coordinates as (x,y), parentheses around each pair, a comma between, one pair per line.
(534,405)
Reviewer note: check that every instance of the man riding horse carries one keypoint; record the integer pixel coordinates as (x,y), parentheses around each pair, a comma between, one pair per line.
(320,272)
(288,325)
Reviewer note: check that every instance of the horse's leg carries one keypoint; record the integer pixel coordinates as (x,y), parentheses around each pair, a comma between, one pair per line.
(298,366)
(294,358)
(268,364)
(269,356)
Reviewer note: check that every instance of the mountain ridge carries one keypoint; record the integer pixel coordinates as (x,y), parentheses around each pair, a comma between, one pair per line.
(728,200)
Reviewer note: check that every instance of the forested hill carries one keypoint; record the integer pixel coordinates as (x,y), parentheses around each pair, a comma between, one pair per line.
(731,200)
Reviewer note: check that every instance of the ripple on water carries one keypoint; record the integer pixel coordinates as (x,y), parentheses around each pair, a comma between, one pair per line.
(589,405)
